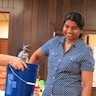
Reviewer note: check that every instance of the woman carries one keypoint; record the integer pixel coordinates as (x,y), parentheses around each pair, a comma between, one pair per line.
(13,61)
(70,60)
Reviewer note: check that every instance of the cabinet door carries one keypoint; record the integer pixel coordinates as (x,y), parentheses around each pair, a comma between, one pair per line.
(93,91)
(3,46)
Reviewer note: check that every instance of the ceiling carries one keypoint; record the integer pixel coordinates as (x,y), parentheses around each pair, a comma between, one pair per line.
(4,16)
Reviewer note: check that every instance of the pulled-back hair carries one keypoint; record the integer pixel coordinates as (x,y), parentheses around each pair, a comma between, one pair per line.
(76,17)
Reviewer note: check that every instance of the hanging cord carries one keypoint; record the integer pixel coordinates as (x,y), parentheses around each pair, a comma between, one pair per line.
(29,83)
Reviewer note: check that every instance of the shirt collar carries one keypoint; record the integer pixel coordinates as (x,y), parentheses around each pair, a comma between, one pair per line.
(76,44)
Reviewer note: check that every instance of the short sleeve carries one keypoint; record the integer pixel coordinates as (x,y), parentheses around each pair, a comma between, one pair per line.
(88,61)
(46,47)
(53,42)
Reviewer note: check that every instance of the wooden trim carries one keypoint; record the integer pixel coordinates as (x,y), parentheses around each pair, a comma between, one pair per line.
(57,30)
(3,38)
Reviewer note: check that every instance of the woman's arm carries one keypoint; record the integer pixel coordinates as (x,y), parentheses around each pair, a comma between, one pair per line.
(36,56)
(87,79)
(16,62)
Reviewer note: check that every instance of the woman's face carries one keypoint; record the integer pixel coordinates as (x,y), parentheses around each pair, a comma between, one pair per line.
(71,30)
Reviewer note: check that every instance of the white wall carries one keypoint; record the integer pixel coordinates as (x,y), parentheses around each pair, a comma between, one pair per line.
(92,43)
(94,77)
(4,29)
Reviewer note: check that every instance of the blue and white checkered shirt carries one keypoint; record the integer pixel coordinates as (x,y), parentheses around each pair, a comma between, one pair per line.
(64,69)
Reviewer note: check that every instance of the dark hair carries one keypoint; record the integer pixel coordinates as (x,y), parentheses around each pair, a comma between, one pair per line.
(76,17)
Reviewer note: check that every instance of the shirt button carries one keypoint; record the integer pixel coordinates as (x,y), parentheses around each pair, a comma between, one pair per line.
(55,68)
(52,53)
(59,60)
(71,58)
(53,77)
(51,86)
